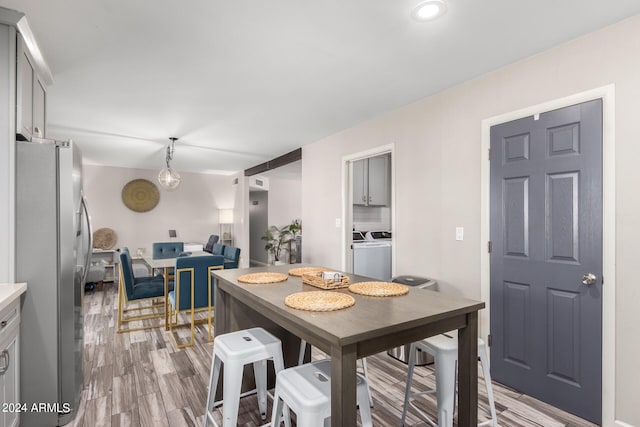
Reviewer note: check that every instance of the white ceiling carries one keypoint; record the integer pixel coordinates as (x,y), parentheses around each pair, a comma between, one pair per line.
(243,81)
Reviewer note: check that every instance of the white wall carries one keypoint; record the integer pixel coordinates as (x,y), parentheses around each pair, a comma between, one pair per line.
(285,203)
(371,218)
(192,210)
(7,158)
(437,148)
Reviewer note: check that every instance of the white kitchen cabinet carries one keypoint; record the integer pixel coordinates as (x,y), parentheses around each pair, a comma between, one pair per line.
(39,108)
(108,259)
(9,364)
(30,96)
(371,181)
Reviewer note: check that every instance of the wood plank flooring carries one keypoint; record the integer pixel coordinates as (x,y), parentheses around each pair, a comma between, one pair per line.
(141,379)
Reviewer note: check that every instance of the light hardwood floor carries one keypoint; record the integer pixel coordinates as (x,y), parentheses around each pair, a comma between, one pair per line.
(142,379)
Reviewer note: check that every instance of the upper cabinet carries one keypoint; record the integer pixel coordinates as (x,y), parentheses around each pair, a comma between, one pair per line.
(371,181)
(31,96)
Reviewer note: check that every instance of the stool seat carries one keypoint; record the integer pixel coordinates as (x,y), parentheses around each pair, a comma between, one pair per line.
(235,350)
(306,389)
(246,345)
(444,349)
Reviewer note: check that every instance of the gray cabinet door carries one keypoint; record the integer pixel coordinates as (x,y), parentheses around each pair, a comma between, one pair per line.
(24,93)
(360,182)
(546,233)
(378,180)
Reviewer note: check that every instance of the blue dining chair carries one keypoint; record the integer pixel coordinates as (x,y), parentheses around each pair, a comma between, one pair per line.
(193,291)
(213,239)
(137,290)
(231,257)
(163,250)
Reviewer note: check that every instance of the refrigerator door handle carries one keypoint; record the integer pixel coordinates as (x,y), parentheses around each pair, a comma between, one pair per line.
(87,259)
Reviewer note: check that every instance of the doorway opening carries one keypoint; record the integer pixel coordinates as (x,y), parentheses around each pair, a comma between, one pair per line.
(258,223)
(275,199)
(368,213)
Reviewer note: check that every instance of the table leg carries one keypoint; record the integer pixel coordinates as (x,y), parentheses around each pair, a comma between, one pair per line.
(343,386)
(468,372)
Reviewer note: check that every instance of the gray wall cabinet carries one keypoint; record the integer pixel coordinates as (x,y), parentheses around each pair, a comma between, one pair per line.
(371,181)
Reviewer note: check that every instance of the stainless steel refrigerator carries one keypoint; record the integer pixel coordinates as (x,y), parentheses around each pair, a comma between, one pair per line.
(53,249)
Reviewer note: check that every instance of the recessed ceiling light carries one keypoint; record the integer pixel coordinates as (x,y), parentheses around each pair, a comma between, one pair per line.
(429,10)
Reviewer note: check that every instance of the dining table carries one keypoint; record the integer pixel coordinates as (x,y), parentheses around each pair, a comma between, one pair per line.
(166,264)
(370,326)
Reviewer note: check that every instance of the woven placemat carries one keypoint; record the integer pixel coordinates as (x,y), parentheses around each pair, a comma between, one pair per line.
(319,301)
(379,289)
(264,277)
(298,272)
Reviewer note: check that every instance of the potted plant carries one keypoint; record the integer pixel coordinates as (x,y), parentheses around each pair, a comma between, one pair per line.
(294,228)
(277,239)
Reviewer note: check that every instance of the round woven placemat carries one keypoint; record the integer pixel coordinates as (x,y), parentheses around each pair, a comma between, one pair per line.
(265,277)
(104,238)
(379,289)
(298,272)
(319,301)
(140,195)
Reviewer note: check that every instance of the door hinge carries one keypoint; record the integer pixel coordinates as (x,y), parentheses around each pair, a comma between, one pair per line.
(489,340)
(489,154)
(489,246)
(602,280)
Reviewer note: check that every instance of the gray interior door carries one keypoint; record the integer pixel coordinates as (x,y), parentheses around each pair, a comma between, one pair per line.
(546,234)
(258,224)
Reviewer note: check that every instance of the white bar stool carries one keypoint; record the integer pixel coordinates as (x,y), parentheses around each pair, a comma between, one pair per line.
(444,349)
(306,390)
(303,349)
(235,350)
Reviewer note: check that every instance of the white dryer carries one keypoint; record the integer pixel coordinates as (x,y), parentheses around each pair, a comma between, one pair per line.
(372,255)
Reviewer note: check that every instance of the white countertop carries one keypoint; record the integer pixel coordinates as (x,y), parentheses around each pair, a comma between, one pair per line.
(9,292)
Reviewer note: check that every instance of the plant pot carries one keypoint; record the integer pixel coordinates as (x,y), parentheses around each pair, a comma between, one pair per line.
(278,262)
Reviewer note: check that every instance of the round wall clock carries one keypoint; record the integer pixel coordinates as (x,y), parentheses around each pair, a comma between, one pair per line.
(140,195)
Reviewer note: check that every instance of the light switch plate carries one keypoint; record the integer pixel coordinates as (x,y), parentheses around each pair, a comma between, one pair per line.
(459,233)
(338,222)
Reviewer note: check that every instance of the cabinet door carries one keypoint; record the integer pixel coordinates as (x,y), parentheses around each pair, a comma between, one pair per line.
(359,170)
(9,380)
(24,92)
(39,108)
(379,181)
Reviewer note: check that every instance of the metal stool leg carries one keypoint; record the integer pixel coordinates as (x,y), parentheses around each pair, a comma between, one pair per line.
(232,378)
(407,392)
(213,386)
(260,375)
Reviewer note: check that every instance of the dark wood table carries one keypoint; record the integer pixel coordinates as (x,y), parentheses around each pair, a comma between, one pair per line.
(370,326)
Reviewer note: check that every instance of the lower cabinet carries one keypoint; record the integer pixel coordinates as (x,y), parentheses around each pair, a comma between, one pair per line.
(10,365)
(109,260)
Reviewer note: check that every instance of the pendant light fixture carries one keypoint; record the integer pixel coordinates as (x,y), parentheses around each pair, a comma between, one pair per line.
(168,178)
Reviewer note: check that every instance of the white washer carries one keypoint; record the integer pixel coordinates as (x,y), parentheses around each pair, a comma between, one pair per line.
(372,259)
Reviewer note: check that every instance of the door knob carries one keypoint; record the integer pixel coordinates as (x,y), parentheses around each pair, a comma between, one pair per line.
(588,279)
